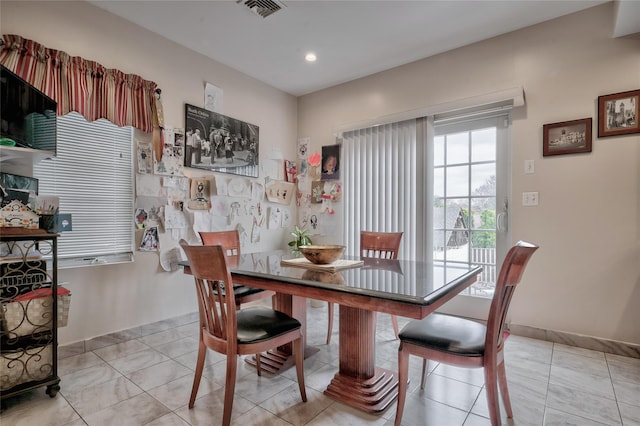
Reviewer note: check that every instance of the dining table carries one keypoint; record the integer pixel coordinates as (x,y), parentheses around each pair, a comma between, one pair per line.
(361,287)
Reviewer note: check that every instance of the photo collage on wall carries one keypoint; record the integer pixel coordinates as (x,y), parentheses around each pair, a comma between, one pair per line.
(319,187)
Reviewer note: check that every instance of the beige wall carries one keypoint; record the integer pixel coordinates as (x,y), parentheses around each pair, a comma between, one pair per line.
(116,297)
(585,279)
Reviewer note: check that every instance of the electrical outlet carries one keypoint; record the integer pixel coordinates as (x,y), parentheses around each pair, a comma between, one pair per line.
(529,198)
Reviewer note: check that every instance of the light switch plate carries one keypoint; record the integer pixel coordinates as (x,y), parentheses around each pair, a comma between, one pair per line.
(528,167)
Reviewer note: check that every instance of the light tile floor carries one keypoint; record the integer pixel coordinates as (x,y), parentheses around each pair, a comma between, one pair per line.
(144,376)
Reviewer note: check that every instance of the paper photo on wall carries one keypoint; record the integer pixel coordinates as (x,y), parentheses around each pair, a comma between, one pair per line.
(144,155)
(149,239)
(257,191)
(331,162)
(213,98)
(280,192)
(317,189)
(174,218)
(303,148)
(149,212)
(140,218)
(290,171)
(172,153)
(239,187)
(286,218)
(200,197)
(275,218)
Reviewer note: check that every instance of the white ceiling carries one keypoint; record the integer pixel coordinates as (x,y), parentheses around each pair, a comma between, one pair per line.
(352,39)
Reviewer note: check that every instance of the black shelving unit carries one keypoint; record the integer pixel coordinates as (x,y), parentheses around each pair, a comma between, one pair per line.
(28,327)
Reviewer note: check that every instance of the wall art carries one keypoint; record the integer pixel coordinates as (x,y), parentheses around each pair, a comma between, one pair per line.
(566,137)
(618,113)
(331,162)
(219,143)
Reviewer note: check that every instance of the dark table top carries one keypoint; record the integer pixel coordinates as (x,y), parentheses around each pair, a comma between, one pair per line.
(409,281)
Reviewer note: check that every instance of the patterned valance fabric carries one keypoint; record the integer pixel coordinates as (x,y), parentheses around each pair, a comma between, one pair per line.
(87,87)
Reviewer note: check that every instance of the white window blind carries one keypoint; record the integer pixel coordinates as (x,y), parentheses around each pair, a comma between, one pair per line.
(92,174)
(384,185)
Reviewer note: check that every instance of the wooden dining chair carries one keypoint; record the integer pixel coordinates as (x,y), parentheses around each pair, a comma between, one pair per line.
(383,245)
(466,343)
(233,332)
(230,242)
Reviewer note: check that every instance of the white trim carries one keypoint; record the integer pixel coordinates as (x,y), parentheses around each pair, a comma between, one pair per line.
(513,97)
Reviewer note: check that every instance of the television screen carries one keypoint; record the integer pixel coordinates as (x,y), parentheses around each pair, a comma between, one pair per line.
(27,116)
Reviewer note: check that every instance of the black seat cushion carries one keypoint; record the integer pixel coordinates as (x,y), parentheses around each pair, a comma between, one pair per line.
(446,333)
(257,324)
(244,291)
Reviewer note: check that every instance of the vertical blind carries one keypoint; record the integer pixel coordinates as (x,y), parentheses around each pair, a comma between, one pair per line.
(92,174)
(384,184)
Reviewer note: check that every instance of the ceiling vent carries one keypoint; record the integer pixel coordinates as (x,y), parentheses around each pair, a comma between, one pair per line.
(263,8)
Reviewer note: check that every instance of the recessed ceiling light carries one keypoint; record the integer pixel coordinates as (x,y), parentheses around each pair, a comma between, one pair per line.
(310,57)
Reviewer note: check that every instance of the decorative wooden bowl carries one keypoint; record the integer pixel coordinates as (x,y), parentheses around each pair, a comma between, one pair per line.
(321,255)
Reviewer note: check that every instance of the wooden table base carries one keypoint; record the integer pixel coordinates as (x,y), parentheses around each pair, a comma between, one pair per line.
(373,395)
(359,383)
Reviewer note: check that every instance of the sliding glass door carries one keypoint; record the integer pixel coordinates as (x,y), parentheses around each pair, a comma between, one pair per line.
(470,200)
(445,184)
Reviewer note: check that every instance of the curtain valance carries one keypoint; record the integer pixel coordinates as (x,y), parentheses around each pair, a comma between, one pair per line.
(85,86)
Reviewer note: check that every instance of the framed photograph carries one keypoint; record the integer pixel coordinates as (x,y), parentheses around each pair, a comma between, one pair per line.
(618,113)
(219,143)
(567,137)
(331,162)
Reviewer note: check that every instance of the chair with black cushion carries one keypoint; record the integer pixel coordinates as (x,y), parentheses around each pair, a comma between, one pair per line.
(466,343)
(233,332)
(230,242)
(382,245)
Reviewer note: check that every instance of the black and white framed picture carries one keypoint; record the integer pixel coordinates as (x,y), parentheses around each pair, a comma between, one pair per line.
(618,113)
(566,137)
(219,143)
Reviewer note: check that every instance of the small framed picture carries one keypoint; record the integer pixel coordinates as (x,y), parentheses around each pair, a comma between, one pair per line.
(567,137)
(331,162)
(618,113)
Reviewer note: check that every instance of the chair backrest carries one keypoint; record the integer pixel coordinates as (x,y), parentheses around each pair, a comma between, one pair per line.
(216,307)
(383,245)
(510,275)
(229,240)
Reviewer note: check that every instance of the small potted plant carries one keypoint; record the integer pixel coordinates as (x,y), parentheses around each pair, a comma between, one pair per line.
(301,238)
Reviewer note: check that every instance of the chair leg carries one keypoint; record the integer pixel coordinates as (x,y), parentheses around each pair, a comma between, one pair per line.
(504,389)
(229,388)
(394,323)
(330,322)
(491,388)
(258,365)
(202,354)
(403,377)
(423,380)
(298,350)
